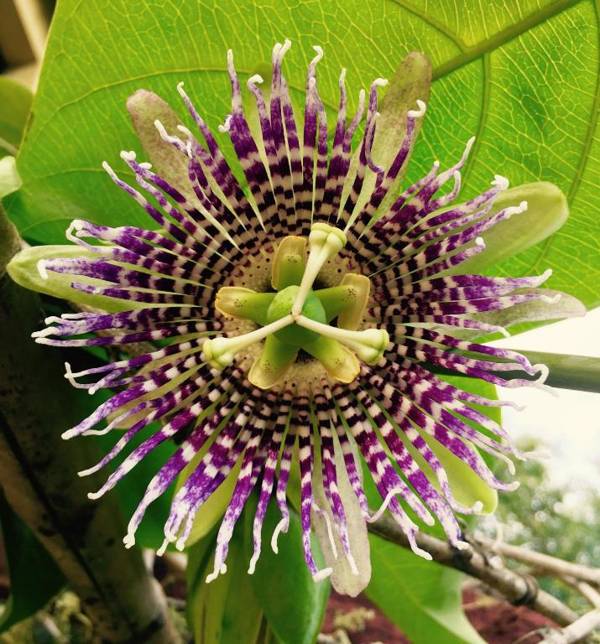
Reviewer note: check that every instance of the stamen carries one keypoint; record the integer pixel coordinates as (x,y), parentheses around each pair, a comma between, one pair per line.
(369,344)
(289,263)
(220,352)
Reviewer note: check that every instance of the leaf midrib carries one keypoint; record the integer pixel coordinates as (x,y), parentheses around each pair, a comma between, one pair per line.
(473,52)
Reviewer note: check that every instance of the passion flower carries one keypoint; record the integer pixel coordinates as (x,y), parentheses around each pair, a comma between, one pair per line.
(292,317)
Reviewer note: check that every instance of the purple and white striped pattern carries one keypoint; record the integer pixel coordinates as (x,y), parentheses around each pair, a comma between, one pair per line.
(163,282)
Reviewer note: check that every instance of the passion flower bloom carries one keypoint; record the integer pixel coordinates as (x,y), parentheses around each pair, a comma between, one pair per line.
(293,317)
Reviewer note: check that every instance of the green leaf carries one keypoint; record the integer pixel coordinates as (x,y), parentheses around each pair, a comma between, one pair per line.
(523,78)
(34,577)
(225,611)
(15,102)
(293,603)
(421,597)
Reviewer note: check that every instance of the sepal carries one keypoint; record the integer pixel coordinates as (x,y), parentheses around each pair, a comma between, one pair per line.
(27,268)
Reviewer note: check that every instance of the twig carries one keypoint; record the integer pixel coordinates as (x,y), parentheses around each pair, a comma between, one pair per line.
(576,631)
(542,561)
(584,589)
(516,588)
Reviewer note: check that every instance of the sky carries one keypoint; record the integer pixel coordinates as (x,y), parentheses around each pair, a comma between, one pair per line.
(567,424)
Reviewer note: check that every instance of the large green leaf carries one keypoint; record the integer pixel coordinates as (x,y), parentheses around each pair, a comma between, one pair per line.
(522,76)
(420,596)
(34,577)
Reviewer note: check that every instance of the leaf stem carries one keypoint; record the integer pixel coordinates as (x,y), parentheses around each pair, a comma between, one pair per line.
(581,373)
(568,371)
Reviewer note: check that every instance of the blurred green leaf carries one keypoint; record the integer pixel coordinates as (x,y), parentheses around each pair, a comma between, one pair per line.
(226,610)
(10,181)
(15,102)
(293,603)
(523,78)
(34,577)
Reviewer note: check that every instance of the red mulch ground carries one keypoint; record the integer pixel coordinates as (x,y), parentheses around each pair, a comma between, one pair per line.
(496,621)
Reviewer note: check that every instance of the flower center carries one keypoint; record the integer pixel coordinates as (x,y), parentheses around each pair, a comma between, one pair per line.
(282,304)
(295,318)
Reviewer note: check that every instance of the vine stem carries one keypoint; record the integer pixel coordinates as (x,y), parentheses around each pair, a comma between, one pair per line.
(37,471)
(576,631)
(541,562)
(482,561)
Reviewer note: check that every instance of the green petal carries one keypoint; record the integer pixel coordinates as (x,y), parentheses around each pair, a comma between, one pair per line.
(275,359)
(145,108)
(23,268)
(213,509)
(344,580)
(411,81)
(465,485)
(547,210)
(555,308)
